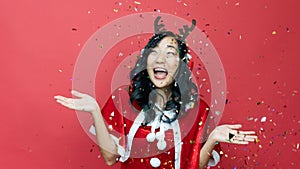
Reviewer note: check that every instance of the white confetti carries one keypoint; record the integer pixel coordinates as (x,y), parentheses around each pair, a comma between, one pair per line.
(263,119)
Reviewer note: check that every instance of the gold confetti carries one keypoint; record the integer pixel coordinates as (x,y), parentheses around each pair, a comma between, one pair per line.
(138,3)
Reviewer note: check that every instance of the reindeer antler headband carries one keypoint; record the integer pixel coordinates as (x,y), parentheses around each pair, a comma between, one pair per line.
(183,33)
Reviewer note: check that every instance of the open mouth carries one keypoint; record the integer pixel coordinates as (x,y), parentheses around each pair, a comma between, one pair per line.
(160,73)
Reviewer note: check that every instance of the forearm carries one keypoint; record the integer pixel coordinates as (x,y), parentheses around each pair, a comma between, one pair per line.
(107,146)
(206,151)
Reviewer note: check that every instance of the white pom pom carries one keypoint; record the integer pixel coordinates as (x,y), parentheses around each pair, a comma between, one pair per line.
(155,162)
(150,137)
(161,144)
(160,135)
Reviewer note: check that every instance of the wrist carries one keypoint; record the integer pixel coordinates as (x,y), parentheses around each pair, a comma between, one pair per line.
(212,138)
(95,112)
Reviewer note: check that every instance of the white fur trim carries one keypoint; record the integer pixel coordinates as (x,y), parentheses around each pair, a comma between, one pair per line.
(214,160)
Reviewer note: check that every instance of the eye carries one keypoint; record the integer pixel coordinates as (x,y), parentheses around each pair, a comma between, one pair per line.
(171,53)
(153,52)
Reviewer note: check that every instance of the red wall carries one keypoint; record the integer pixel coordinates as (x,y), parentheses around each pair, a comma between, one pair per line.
(256,42)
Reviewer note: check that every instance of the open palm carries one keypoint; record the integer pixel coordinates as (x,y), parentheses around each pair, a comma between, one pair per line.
(83,102)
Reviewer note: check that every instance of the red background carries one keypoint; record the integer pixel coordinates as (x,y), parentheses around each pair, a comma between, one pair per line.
(40,40)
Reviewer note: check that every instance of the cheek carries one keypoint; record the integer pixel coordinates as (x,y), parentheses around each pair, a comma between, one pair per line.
(174,64)
(150,61)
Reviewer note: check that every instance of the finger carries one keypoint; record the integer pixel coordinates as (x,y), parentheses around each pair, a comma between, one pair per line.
(245,137)
(65,99)
(246,132)
(58,97)
(234,126)
(76,93)
(241,142)
(235,141)
(249,139)
(66,104)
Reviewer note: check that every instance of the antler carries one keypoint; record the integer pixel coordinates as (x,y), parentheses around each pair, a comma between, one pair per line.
(157,26)
(187,30)
(183,33)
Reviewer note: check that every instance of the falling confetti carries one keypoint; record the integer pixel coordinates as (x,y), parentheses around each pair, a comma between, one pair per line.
(138,3)
(116,10)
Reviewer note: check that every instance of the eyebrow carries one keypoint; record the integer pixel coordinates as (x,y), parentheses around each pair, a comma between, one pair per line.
(170,46)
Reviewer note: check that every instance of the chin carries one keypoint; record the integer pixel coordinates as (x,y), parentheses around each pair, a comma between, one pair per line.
(161,83)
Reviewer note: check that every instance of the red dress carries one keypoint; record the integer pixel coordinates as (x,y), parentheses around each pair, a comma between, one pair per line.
(120,115)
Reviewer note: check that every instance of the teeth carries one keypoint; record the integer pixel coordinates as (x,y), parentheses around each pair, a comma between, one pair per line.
(160,70)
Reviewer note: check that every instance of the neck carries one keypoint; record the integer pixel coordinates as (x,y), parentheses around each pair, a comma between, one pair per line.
(163,95)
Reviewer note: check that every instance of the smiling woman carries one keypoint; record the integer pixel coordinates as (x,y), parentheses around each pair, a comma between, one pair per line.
(169,118)
(163,62)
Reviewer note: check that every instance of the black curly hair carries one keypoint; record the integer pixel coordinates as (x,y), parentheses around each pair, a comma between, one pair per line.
(183,89)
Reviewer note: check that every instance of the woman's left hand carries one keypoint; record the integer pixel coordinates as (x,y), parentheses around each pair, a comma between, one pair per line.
(231,134)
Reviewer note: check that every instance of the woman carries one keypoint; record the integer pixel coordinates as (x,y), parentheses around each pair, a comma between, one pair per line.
(162,124)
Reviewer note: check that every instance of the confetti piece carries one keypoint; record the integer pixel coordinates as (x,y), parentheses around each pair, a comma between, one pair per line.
(92,130)
(192,141)
(274,32)
(138,3)
(60,70)
(263,119)
(250,118)
(116,10)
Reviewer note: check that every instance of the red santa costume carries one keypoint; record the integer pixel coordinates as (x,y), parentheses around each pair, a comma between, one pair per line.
(158,145)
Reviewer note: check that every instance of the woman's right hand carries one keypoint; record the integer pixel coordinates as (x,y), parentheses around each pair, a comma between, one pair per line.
(83,102)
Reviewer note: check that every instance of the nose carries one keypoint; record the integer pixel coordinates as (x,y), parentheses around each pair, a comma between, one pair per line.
(161,58)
